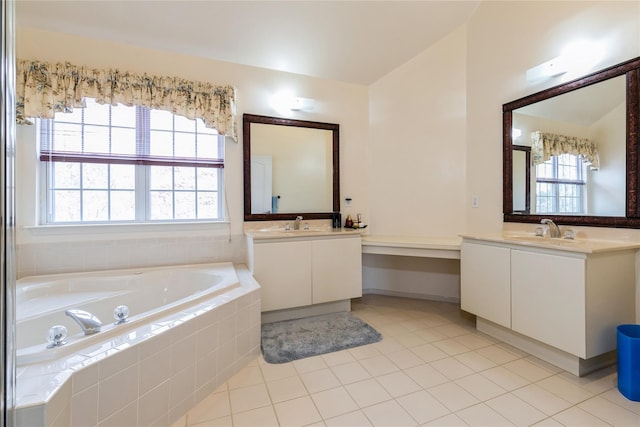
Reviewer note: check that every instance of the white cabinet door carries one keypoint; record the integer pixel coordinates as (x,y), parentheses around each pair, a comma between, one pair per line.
(548,299)
(337,269)
(485,282)
(283,270)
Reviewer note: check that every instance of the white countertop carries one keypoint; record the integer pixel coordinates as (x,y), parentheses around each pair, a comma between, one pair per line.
(281,233)
(418,246)
(576,245)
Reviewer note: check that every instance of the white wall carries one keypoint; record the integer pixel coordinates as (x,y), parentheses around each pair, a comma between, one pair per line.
(45,250)
(417,138)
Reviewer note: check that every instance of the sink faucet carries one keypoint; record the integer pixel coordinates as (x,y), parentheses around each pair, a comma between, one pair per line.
(554,230)
(296,225)
(89,323)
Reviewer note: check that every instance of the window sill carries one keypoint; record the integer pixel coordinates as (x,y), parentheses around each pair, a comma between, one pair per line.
(124,230)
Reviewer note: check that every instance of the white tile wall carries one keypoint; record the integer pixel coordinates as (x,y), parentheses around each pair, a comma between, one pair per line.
(72,256)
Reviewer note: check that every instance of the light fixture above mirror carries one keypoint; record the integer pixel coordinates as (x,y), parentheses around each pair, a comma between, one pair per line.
(518,208)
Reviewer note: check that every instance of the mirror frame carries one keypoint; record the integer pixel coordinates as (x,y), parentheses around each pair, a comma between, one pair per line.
(629,68)
(247,120)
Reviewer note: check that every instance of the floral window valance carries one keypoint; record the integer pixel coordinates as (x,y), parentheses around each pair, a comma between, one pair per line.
(544,145)
(44,89)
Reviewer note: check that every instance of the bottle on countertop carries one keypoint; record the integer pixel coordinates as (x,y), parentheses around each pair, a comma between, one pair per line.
(348,223)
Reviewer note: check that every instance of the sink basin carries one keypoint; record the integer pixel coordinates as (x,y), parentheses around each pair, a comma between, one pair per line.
(282,230)
(584,245)
(541,240)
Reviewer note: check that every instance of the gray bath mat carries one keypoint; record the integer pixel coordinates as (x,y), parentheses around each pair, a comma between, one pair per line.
(296,339)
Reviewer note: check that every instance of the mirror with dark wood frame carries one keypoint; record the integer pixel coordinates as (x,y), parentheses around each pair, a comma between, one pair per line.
(291,168)
(518,208)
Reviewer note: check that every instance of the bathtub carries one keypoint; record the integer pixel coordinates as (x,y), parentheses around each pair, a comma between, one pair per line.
(150,293)
(204,317)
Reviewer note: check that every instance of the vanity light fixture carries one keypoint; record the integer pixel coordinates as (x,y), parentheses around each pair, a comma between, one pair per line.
(576,58)
(302,104)
(551,68)
(285,101)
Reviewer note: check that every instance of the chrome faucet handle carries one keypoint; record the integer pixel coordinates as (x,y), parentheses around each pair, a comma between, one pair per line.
(120,314)
(56,336)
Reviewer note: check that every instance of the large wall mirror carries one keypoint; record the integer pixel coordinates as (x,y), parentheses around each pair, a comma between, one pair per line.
(291,168)
(570,153)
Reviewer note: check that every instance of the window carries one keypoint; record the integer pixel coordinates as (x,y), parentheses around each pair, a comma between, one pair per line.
(560,185)
(104,164)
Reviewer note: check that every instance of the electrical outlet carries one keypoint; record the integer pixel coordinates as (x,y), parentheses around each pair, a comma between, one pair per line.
(347,201)
(475,201)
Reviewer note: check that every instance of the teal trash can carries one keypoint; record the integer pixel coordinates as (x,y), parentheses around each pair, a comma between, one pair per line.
(629,361)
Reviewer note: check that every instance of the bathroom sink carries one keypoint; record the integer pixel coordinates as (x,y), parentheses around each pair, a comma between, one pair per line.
(280,232)
(546,241)
(541,239)
(574,245)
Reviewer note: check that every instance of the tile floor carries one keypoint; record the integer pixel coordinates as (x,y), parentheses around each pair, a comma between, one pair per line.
(431,369)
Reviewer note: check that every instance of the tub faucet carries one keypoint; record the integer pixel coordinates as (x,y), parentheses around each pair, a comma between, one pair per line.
(554,230)
(89,323)
(296,225)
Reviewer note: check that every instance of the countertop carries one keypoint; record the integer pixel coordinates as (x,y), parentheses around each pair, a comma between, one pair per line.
(281,233)
(576,245)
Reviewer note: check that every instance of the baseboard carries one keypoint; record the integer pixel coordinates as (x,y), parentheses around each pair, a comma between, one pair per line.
(573,364)
(306,311)
(370,291)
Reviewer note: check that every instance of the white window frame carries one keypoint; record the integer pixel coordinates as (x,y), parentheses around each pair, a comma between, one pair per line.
(142,193)
(580,182)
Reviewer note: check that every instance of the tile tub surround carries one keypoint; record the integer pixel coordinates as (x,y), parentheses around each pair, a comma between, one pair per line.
(152,376)
(37,259)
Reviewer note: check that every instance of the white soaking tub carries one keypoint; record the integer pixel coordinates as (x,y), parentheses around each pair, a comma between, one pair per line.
(189,329)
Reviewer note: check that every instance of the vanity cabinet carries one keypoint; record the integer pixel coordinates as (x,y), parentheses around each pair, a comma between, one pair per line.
(486,291)
(301,271)
(283,270)
(336,269)
(571,300)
